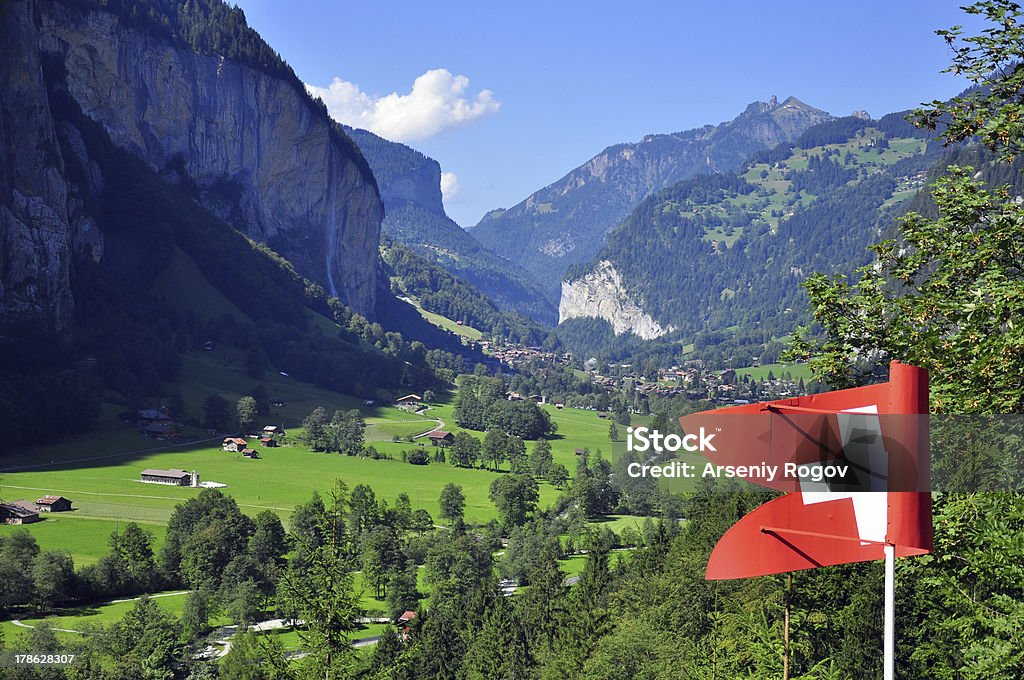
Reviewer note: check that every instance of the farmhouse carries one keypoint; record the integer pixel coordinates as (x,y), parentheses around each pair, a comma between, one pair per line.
(271,430)
(268,442)
(250,453)
(441,438)
(404,621)
(53,504)
(174,477)
(409,402)
(18,512)
(234,444)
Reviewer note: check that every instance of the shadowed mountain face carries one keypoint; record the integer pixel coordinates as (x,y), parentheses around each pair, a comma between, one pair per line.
(566,222)
(410,186)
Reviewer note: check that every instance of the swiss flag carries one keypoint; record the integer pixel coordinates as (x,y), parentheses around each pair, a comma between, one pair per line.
(877,434)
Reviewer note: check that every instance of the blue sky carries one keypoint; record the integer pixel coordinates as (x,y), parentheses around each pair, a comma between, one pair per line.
(509,97)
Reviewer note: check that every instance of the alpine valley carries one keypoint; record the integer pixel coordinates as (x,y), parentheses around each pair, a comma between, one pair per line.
(269,413)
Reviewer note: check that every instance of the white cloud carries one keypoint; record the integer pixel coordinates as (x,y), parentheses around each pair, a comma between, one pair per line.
(438,101)
(449,186)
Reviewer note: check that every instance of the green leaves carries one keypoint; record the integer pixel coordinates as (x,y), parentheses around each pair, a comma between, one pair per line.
(991,61)
(944,296)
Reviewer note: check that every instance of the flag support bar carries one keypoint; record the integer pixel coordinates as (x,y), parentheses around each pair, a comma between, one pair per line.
(889,626)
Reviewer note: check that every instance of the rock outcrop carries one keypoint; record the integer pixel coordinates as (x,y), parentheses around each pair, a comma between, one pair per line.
(601,294)
(259,151)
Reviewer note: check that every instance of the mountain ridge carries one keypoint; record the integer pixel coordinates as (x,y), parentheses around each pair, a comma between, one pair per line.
(414,215)
(716,253)
(566,222)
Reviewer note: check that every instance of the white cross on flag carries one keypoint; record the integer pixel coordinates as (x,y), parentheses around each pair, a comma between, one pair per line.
(854,464)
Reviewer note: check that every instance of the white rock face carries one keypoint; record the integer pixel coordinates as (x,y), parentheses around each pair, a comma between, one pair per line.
(600,294)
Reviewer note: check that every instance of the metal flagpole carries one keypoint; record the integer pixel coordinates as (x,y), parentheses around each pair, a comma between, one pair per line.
(889,628)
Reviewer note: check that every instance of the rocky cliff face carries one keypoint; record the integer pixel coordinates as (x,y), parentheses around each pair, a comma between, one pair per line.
(403,174)
(260,153)
(600,294)
(35,235)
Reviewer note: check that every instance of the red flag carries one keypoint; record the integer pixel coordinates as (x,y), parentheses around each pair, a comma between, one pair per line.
(860,478)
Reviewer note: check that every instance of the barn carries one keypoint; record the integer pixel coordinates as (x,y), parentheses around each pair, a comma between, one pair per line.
(53,504)
(18,512)
(174,477)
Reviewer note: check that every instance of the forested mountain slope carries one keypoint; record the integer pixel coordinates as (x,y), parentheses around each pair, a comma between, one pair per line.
(723,252)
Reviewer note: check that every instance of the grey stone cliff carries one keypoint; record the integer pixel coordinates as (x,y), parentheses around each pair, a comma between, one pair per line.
(263,156)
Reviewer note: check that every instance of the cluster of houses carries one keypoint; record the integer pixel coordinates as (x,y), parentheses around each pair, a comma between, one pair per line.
(268,438)
(511,355)
(26,512)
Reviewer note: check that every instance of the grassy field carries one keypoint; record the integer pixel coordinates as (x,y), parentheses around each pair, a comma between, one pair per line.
(797,371)
(80,618)
(86,538)
(449,325)
(100,471)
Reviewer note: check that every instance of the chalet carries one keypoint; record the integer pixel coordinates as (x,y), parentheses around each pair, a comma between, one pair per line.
(18,512)
(602,414)
(250,453)
(234,444)
(441,438)
(268,442)
(559,405)
(406,617)
(53,504)
(537,399)
(173,477)
(409,401)
(272,430)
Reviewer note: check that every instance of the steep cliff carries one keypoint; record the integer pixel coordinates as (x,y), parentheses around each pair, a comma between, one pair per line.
(600,294)
(403,174)
(35,236)
(566,222)
(410,184)
(243,135)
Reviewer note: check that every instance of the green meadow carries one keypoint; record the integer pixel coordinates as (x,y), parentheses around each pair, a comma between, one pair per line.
(797,371)
(100,471)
